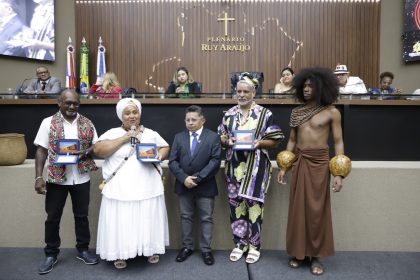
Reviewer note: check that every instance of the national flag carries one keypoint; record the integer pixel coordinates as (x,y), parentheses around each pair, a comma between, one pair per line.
(70,75)
(84,67)
(100,60)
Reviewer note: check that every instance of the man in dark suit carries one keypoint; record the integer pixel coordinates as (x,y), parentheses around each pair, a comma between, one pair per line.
(44,83)
(195,160)
(10,28)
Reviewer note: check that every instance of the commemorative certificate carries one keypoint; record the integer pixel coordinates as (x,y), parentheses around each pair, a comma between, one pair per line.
(147,152)
(244,139)
(65,151)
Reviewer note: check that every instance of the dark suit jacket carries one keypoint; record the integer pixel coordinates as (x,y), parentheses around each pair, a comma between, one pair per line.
(204,164)
(193,88)
(11,29)
(53,86)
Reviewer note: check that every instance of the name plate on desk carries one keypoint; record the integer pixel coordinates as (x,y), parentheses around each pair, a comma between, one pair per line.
(65,151)
(244,139)
(147,152)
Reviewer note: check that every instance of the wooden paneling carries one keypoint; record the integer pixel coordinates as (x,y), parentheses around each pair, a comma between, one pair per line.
(147,40)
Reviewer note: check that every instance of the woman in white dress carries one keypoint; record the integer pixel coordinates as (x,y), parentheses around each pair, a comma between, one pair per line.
(132,217)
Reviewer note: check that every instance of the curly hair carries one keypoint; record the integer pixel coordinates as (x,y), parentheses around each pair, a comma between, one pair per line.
(386,74)
(324,84)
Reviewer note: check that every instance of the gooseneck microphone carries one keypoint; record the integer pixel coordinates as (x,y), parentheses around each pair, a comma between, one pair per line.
(20,88)
(133,139)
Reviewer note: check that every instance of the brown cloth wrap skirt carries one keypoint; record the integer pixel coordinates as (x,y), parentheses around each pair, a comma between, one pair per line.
(309,225)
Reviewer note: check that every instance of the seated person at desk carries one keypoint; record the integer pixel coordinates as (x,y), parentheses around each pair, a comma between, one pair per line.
(385,82)
(286,82)
(44,83)
(347,84)
(183,84)
(107,86)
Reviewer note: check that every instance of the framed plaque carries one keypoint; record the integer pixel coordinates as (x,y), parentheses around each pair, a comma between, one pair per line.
(244,139)
(147,152)
(65,151)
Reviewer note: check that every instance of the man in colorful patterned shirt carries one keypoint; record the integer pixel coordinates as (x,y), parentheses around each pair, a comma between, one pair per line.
(248,172)
(65,179)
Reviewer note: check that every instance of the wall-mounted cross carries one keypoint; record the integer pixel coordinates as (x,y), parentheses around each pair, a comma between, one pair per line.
(226,20)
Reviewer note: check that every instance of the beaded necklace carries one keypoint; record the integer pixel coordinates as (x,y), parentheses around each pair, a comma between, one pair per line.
(246,116)
(303,113)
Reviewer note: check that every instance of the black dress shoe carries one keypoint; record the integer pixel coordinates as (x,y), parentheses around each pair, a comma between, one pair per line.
(47,265)
(208,258)
(87,257)
(183,254)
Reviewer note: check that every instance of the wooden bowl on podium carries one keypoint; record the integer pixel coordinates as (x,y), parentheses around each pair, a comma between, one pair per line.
(13,150)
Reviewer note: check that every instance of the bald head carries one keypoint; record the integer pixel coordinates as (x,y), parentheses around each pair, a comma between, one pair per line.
(68,93)
(43,73)
(69,103)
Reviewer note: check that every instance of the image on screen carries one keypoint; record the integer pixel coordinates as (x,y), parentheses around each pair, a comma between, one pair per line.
(27,29)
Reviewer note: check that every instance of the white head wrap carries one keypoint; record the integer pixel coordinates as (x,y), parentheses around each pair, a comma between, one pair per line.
(123,103)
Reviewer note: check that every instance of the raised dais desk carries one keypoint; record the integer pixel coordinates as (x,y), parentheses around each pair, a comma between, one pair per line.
(373,129)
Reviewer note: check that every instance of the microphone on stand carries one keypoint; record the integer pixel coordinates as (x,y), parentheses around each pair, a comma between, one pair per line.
(20,89)
(133,140)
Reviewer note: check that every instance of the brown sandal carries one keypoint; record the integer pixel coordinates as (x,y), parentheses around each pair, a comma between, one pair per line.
(316,267)
(295,263)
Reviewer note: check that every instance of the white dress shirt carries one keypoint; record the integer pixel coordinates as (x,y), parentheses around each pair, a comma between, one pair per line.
(198,136)
(354,85)
(70,132)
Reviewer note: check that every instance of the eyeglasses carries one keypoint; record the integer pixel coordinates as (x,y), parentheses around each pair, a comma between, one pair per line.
(69,104)
(42,72)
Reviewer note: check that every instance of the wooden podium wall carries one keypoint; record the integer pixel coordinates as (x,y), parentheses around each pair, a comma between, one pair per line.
(147,40)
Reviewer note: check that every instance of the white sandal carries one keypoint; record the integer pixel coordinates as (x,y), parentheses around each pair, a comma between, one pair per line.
(153,259)
(236,254)
(120,264)
(253,256)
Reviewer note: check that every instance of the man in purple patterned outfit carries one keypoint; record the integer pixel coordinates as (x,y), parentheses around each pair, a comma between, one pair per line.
(248,172)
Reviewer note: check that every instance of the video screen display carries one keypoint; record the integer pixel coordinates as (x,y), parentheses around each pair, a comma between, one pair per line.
(411,34)
(27,29)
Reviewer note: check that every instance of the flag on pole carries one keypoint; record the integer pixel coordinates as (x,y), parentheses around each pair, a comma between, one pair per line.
(100,60)
(84,67)
(70,75)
